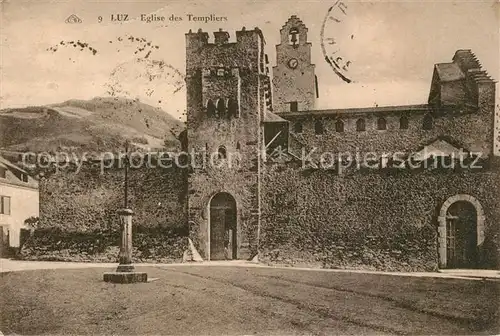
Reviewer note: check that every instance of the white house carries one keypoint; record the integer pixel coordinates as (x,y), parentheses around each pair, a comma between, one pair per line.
(19,200)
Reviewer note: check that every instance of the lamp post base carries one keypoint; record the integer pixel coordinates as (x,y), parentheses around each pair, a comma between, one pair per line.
(125,272)
(125,268)
(125,277)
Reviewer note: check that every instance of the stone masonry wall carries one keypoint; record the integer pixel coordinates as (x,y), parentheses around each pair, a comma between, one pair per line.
(472,131)
(243,62)
(89,199)
(369,220)
(294,84)
(78,219)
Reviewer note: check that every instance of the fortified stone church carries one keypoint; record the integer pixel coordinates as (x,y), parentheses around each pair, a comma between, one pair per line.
(436,215)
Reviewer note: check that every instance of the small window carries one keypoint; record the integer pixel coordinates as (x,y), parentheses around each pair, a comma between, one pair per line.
(294,106)
(339,126)
(4,205)
(24,177)
(403,122)
(298,127)
(427,123)
(381,124)
(183,140)
(293,37)
(232,109)
(238,146)
(222,152)
(211,112)
(3,172)
(221,108)
(318,127)
(360,125)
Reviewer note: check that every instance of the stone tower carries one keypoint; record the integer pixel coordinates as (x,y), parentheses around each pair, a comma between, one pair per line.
(294,81)
(226,99)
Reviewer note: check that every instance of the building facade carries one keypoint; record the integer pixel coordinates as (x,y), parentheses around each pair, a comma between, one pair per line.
(19,200)
(423,213)
(227,85)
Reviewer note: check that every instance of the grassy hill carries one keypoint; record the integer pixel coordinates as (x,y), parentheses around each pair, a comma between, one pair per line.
(96,125)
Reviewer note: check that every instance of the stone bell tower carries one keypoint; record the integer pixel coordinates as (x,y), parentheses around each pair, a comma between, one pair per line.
(294,81)
(226,99)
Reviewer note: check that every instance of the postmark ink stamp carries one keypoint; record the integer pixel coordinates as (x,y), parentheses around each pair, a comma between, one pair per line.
(331,41)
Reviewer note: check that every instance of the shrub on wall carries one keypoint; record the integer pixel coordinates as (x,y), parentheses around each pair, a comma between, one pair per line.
(79,220)
(89,198)
(151,244)
(367,220)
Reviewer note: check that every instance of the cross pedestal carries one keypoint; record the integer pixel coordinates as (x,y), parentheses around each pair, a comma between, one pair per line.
(125,272)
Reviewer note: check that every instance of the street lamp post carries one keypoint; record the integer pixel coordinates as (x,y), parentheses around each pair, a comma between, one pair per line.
(125,272)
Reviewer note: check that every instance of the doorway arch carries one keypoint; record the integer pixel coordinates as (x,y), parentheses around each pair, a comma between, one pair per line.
(222,227)
(460,232)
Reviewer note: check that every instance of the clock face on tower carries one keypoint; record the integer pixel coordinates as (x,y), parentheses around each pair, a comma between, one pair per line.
(292,63)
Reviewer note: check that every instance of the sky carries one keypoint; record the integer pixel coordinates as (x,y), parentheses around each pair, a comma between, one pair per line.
(393,48)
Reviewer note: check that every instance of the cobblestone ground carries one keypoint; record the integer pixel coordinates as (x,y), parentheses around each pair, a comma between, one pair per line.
(201,300)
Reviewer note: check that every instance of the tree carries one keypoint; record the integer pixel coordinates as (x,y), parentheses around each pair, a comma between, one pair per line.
(32,222)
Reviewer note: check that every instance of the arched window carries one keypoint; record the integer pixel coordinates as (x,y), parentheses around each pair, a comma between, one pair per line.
(427,123)
(360,125)
(293,36)
(403,122)
(318,127)
(298,127)
(222,152)
(232,109)
(339,126)
(183,138)
(221,108)
(207,152)
(238,146)
(211,112)
(381,124)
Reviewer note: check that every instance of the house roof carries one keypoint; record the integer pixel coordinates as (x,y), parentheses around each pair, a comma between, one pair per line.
(271,117)
(438,148)
(13,179)
(7,164)
(449,72)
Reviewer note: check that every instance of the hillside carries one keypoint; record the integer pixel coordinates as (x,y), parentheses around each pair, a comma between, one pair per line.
(96,125)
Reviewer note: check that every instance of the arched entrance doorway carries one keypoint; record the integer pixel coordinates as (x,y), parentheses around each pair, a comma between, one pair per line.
(223,235)
(461,232)
(461,235)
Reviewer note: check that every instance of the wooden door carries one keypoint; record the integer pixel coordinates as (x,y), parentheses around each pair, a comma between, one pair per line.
(4,242)
(231,242)
(217,233)
(461,236)
(223,243)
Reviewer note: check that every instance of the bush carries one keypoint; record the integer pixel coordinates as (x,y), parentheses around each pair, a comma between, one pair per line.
(155,244)
(32,222)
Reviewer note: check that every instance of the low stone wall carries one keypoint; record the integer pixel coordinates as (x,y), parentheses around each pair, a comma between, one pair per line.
(78,213)
(157,244)
(87,198)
